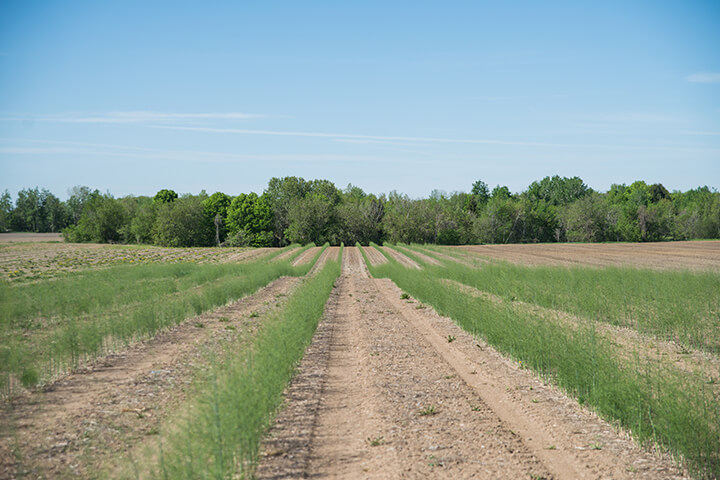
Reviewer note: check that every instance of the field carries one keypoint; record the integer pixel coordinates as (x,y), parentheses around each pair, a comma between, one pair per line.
(400,361)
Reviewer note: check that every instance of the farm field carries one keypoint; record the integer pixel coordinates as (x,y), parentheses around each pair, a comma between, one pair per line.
(427,362)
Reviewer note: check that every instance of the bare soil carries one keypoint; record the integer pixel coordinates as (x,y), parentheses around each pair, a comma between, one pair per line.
(376,258)
(693,255)
(403,259)
(383,393)
(422,256)
(306,256)
(30,237)
(79,425)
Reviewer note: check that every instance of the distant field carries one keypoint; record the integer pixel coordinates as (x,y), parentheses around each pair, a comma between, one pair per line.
(30,237)
(694,255)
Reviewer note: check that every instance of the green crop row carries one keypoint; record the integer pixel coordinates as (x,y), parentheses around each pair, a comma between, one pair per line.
(657,403)
(679,306)
(51,326)
(219,432)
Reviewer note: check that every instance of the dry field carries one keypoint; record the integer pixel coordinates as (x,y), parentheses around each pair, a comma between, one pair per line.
(694,255)
(387,389)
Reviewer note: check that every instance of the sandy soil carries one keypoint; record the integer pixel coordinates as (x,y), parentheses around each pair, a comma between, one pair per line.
(306,256)
(698,255)
(384,394)
(75,426)
(376,258)
(403,259)
(421,256)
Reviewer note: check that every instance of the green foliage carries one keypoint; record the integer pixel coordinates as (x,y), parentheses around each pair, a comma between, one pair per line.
(38,211)
(165,196)
(6,210)
(249,221)
(221,440)
(182,223)
(102,221)
(52,325)
(557,190)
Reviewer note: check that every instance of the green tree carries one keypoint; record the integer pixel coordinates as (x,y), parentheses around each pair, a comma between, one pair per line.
(182,223)
(250,221)
(281,194)
(102,221)
(6,211)
(216,208)
(165,196)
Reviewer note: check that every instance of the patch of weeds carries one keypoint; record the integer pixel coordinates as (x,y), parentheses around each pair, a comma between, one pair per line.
(450,338)
(420,307)
(551,447)
(435,462)
(535,476)
(596,446)
(535,400)
(475,408)
(377,441)
(404,296)
(223,319)
(153,431)
(199,325)
(429,411)
(254,315)
(230,327)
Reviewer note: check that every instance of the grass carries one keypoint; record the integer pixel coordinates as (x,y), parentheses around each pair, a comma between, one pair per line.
(658,403)
(219,433)
(49,327)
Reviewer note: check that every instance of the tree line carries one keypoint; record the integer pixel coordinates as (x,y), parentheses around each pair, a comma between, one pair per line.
(295,210)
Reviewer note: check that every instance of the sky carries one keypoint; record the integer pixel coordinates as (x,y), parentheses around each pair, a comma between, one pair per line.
(131,97)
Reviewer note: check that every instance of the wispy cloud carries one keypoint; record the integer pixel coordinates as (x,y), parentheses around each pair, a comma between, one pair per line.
(713,77)
(53,147)
(353,136)
(135,117)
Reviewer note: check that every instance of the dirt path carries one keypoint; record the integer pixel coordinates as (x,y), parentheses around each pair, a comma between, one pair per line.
(81,422)
(383,394)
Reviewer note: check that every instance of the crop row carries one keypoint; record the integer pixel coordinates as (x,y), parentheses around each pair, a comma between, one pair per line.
(48,327)
(658,403)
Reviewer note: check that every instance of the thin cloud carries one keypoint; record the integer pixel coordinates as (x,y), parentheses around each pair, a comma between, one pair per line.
(713,77)
(52,147)
(135,117)
(360,137)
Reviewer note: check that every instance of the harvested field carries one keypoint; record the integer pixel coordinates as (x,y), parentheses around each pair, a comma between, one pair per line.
(35,261)
(697,255)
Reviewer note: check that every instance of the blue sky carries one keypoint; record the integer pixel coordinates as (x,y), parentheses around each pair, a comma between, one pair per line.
(131,97)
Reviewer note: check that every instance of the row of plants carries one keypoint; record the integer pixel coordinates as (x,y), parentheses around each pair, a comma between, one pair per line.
(658,403)
(218,433)
(51,326)
(678,306)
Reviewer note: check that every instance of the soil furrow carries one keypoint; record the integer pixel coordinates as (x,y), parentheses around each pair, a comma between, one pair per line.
(570,440)
(403,259)
(306,256)
(389,406)
(80,424)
